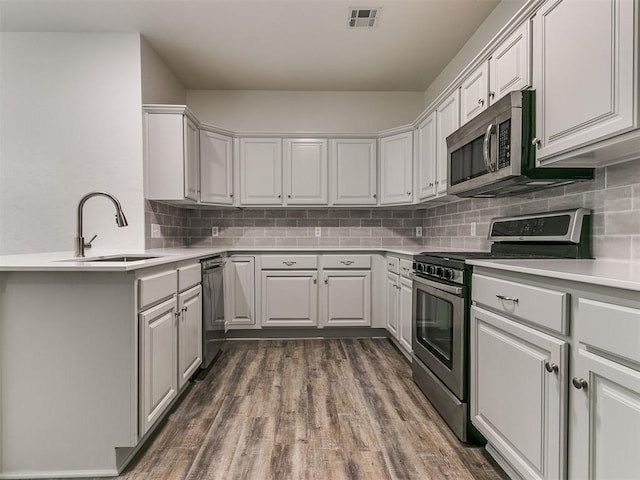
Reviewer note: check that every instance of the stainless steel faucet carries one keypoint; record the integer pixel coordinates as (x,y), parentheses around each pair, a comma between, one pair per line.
(121,220)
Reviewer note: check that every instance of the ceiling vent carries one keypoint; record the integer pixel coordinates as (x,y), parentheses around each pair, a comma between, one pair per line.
(363,17)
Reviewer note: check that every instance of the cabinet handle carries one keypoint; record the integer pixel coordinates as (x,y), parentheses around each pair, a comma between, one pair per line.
(492,95)
(315,280)
(431,184)
(177,314)
(326,281)
(579,383)
(391,264)
(374,195)
(481,101)
(507,299)
(231,195)
(551,367)
(289,196)
(279,196)
(408,193)
(437,182)
(288,264)
(346,262)
(184,309)
(536,142)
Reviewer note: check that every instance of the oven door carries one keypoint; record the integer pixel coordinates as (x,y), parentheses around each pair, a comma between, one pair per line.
(438,331)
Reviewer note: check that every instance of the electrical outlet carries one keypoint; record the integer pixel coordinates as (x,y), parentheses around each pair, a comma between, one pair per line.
(473,229)
(418,231)
(214,231)
(155,230)
(318,231)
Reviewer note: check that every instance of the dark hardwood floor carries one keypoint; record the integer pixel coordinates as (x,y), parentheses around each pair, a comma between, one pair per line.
(308,409)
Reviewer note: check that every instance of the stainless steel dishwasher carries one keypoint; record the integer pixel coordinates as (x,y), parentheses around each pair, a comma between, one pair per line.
(213,325)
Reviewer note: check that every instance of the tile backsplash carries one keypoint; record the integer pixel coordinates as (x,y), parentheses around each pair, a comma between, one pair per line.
(613,196)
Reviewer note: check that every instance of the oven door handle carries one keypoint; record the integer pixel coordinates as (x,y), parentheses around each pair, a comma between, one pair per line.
(437,285)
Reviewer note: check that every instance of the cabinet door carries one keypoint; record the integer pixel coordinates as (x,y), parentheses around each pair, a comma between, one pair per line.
(353,172)
(583,72)
(306,172)
(509,65)
(347,298)
(191,164)
(392,303)
(239,277)
(216,167)
(189,334)
(158,351)
(261,171)
(405,314)
(396,164)
(289,298)
(516,403)
(447,122)
(473,93)
(425,141)
(605,420)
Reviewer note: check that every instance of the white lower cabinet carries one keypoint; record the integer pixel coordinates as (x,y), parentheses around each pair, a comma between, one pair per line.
(189,333)
(289,298)
(519,393)
(392,303)
(158,351)
(170,334)
(346,298)
(239,288)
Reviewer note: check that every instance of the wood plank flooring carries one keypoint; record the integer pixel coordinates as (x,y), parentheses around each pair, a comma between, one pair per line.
(308,409)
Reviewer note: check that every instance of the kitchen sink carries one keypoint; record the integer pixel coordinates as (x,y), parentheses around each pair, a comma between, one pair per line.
(119,259)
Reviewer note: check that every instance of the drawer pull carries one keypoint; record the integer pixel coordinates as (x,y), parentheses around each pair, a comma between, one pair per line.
(346,262)
(391,264)
(551,367)
(288,264)
(579,383)
(507,299)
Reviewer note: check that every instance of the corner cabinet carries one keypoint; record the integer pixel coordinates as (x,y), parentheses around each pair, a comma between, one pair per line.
(216,168)
(171,154)
(396,169)
(353,171)
(584,73)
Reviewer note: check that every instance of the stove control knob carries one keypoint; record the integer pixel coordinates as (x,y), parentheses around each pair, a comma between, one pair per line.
(419,267)
(447,274)
(429,269)
(439,272)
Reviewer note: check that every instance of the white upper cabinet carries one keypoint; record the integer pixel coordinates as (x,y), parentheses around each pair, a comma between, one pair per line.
(216,168)
(473,93)
(425,158)
(510,64)
(261,171)
(353,171)
(171,155)
(447,122)
(584,73)
(396,165)
(508,69)
(306,172)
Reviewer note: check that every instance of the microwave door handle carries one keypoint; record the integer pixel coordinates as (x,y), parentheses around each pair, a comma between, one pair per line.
(486,153)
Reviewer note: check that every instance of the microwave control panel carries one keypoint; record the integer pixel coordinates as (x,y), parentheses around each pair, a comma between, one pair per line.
(504,144)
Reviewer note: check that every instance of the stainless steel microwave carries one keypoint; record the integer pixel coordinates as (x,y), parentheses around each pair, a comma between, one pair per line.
(494,154)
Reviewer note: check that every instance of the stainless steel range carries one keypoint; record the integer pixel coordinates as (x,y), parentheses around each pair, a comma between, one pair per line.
(441,303)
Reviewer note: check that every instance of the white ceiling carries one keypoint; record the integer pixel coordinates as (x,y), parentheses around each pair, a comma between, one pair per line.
(275,44)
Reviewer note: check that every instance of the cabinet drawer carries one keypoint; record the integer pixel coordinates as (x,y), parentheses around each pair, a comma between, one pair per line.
(539,306)
(612,328)
(393,264)
(289,262)
(156,287)
(189,276)
(405,267)
(347,261)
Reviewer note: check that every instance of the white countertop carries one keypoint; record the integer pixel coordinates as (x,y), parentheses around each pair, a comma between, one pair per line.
(608,273)
(65,261)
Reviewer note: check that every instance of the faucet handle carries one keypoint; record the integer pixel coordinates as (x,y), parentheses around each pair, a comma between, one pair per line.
(88,244)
